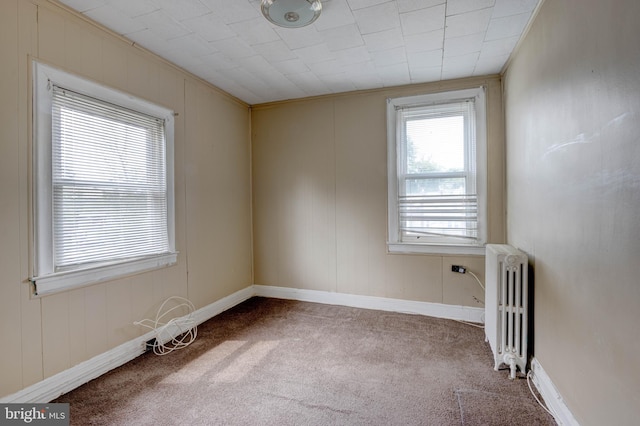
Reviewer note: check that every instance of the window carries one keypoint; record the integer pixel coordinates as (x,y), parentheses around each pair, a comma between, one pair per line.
(103,183)
(436,170)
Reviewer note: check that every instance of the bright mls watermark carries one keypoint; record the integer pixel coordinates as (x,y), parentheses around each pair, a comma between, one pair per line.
(36,414)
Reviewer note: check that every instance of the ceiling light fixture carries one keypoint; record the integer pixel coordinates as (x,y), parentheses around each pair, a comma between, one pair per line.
(291,13)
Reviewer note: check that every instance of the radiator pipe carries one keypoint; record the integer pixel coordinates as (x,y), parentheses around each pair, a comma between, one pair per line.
(511,360)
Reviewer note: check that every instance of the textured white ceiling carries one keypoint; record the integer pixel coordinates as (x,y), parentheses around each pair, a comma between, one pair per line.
(354,44)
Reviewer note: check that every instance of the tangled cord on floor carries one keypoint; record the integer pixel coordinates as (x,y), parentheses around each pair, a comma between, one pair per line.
(175,333)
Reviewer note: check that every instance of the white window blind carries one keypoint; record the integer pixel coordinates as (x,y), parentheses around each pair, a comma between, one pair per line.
(436,171)
(102,182)
(109,182)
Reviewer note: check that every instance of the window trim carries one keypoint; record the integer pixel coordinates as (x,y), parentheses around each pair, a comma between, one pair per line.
(45,279)
(394,244)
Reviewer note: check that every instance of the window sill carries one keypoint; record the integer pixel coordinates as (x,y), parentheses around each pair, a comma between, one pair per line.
(63,281)
(408,248)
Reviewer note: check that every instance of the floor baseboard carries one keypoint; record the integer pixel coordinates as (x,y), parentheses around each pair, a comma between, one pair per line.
(438,310)
(228,302)
(67,380)
(551,396)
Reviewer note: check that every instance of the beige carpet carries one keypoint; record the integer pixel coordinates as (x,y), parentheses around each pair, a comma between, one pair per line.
(277,362)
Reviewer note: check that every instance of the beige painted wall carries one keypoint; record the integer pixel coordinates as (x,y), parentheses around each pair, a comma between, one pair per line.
(320,199)
(43,336)
(572,98)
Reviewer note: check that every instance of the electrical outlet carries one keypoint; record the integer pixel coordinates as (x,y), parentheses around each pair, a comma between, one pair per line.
(459,269)
(150,344)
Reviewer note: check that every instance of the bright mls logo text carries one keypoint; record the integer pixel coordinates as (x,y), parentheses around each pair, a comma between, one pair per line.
(39,413)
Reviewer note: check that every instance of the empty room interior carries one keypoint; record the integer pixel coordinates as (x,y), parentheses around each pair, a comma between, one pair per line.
(283,182)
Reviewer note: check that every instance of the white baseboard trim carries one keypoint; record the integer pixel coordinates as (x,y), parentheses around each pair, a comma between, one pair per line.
(207,312)
(438,310)
(67,380)
(551,396)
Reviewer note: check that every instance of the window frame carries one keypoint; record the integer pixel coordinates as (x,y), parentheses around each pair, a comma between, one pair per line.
(45,279)
(395,147)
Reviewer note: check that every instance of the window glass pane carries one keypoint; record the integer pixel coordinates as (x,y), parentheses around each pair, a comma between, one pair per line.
(93,225)
(435,144)
(435,186)
(129,157)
